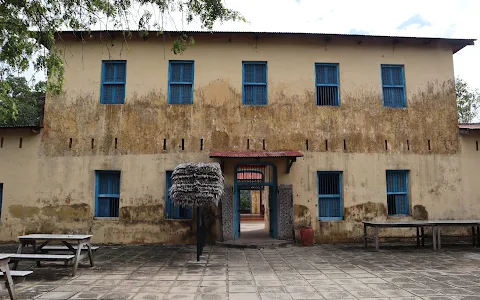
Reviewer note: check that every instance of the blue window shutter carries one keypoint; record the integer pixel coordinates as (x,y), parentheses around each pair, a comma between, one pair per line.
(327,84)
(254,77)
(114,76)
(180,85)
(107,194)
(330,204)
(397,192)
(393,86)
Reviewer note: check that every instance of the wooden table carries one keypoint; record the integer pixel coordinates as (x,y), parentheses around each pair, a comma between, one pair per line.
(419,225)
(38,241)
(436,226)
(4,259)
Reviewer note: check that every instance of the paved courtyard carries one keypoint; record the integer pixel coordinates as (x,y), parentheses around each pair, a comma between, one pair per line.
(345,271)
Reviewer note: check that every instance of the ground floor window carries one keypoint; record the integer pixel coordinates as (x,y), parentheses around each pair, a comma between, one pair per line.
(397,192)
(107,195)
(330,203)
(172,211)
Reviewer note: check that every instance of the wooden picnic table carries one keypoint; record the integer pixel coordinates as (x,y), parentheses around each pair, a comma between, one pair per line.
(4,259)
(74,243)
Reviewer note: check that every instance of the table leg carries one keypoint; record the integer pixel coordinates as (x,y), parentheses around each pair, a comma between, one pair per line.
(8,281)
(439,241)
(418,237)
(434,238)
(77,257)
(90,254)
(473,236)
(365,235)
(34,245)
(377,245)
(19,251)
(478,235)
(422,230)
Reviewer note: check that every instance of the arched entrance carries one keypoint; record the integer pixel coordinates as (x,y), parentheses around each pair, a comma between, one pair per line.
(259,179)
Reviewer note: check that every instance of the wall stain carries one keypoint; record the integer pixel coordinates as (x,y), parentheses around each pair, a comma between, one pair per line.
(419,212)
(219,117)
(367,211)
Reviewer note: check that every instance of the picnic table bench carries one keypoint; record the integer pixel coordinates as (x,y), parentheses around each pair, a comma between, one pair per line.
(420,226)
(7,275)
(71,242)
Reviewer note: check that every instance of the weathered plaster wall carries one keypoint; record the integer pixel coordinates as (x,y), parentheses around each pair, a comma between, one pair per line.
(49,187)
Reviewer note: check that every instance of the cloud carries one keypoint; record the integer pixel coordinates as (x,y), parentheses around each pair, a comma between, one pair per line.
(357,31)
(414,20)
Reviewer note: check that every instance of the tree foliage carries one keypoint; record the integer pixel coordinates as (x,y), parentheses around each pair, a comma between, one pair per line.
(468,101)
(29,28)
(21,105)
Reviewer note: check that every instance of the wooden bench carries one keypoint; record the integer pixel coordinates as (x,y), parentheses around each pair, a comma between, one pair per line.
(47,249)
(14,273)
(16,258)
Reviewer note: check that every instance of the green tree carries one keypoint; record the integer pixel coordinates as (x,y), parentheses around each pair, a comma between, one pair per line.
(21,105)
(29,28)
(468,101)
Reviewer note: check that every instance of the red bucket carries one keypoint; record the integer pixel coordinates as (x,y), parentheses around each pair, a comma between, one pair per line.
(306,236)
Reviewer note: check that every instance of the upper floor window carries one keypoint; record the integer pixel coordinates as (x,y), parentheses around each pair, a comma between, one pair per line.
(327,84)
(114,75)
(107,194)
(393,85)
(397,192)
(330,203)
(172,211)
(180,82)
(254,83)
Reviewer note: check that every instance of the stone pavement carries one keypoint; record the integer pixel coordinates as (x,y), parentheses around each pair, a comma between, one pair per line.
(342,271)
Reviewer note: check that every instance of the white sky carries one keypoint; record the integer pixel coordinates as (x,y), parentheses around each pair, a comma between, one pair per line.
(421,18)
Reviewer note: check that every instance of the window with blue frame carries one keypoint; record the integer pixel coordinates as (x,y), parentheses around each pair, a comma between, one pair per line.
(397,192)
(330,202)
(180,82)
(327,84)
(1,198)
(114,76)
(254,83)
(172,211)
(107,194)
(393,86)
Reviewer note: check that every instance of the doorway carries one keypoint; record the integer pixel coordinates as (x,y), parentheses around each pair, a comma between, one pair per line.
(255,201)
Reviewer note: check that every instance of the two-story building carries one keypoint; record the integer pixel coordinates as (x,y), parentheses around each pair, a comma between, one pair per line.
(331,129)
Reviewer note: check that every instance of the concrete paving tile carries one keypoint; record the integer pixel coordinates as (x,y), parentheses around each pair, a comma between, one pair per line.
(148,296)
(271,289)
(211,297)
(88,295)
(336,295)
(306,295)
(154,289)
(300,289)
(269,283)
(244,296)
(274,296)
(213,283)
(242,289)
(328,288)
(57,295)
(212,290)
(366,294)
(183,290)
(179,297)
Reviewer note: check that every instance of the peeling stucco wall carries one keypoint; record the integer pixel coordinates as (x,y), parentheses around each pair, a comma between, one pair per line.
(49,187)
